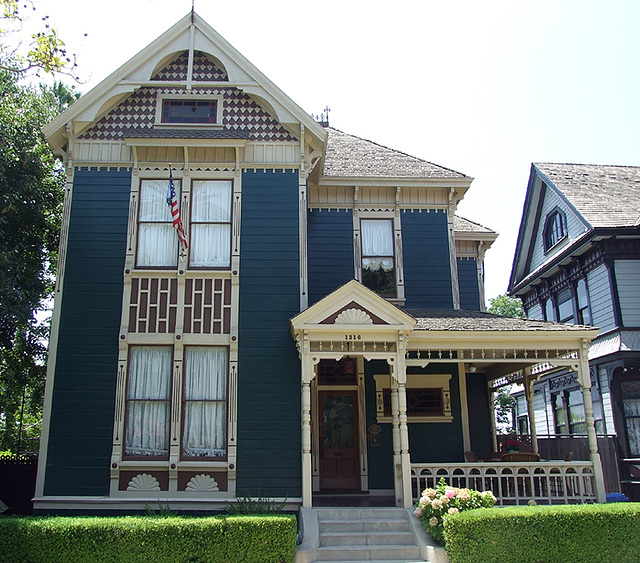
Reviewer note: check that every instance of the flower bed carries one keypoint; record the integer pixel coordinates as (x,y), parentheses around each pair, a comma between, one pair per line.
(436,504)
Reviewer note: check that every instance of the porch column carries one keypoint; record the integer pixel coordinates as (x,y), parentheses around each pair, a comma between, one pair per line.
(492,421)
(584,379)
(405,461)
(308,372)
(528,393)
(395,433)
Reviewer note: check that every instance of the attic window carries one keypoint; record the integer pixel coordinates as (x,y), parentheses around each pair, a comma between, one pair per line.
(555,229)
(190,111)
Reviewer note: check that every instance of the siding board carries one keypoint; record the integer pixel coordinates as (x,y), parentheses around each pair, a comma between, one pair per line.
(81,427)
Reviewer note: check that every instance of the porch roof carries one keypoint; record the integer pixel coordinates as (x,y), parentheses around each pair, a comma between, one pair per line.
(465,320)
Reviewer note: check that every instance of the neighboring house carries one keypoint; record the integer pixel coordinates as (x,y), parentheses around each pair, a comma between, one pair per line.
(577,261)
(322,331)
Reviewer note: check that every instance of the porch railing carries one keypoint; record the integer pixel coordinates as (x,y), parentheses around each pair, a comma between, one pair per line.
(545,482)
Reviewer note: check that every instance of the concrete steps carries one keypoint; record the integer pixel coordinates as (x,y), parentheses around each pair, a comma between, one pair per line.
(375,535)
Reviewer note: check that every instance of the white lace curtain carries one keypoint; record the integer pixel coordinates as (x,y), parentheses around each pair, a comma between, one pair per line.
(377,243)
(157,239)
(148,393)
(205,402)
(211,224)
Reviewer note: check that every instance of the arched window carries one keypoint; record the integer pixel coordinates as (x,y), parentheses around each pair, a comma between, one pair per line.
(555,229)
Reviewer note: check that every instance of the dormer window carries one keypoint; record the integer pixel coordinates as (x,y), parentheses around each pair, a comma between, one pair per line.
(555,229)
(193,109)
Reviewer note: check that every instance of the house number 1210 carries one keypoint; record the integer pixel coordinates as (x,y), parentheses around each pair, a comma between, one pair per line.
(353,337)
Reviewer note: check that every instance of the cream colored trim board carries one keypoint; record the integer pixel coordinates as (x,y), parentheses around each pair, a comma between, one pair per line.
(464,407)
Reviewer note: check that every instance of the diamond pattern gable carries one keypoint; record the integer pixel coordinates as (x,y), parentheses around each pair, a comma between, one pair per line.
(241,112)
(204,69)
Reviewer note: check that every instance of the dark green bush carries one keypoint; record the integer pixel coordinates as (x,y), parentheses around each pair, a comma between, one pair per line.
(568,533)
(133,539)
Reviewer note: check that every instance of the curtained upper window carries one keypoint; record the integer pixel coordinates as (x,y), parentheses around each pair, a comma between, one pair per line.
(378,270)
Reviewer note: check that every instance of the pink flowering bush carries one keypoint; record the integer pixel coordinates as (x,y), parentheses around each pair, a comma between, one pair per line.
(435,504)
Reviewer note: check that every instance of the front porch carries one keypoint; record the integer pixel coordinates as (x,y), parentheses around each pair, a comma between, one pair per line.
(458,359)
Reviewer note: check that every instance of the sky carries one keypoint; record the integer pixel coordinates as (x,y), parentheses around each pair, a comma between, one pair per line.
(484,88)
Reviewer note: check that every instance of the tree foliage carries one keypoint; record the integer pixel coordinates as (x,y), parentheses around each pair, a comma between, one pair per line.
(506,306)
(44,51)
(31,189)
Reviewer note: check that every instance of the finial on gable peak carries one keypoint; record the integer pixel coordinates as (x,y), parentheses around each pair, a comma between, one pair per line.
(323,118)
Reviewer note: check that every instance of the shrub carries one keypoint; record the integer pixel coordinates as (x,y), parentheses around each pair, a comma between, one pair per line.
(567,533)
(436,504)
(136,539)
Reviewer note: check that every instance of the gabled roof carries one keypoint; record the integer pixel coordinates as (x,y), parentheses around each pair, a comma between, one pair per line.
(605,195)
(191,32)
(601,196)
(350,156)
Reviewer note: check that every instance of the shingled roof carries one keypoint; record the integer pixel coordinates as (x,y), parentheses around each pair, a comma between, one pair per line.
(462,225)
(464,320)
(605,195)
(351,156)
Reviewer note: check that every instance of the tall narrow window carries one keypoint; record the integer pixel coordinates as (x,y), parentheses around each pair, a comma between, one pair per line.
(205,402)
(378,271)
(584,315)
(148,401)
(555,229)
(157,239)
(211,224)
(565,306)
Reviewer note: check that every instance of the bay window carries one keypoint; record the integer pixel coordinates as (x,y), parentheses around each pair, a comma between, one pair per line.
(148,401)
(149,406)
(157,240)
(210,224)
(205,402)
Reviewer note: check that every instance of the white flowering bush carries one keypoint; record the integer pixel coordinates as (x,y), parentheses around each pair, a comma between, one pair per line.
(435,504)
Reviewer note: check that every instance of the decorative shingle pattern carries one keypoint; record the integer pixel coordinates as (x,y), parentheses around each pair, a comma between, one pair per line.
(605,195)
(462,225)
(204,69)
(351,156)
(461,320)
(241,113)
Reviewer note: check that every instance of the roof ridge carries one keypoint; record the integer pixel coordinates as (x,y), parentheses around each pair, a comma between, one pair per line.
(398,151)
(586,164)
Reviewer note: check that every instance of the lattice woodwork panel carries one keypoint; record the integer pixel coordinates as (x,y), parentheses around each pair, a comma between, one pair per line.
(207,306)
(153,306)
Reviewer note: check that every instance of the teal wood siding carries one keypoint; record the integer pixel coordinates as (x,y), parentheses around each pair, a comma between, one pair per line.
(427,270)
(479,414)
(468,284)
(434,442)
(81,428)
(330,251)
(269,420)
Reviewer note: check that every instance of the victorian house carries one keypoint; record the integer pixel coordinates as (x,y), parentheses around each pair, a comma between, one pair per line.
(305,317)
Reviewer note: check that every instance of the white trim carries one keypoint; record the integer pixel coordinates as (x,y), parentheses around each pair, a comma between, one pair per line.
(219,99)
(464,407)
(416,381)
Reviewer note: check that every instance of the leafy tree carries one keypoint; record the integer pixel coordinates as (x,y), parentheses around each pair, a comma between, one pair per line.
(31,189)
(45,50)
(506,306)
(504,403)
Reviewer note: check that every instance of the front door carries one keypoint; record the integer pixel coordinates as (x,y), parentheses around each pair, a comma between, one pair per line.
(339,456)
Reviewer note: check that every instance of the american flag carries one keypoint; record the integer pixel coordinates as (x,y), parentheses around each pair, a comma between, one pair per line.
(172,200)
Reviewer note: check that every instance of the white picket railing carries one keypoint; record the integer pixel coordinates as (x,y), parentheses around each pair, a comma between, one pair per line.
(545,482)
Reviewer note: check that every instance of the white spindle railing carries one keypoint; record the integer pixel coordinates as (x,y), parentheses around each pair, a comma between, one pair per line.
(545,482)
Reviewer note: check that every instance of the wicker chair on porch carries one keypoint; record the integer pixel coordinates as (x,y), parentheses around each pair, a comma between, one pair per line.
(471,457)
(520,456)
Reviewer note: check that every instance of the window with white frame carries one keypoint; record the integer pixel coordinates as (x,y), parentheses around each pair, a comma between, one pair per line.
(210,241)
(378,259)
(555,229)
(157,240)
(428,398)
(204,402)
(193,110)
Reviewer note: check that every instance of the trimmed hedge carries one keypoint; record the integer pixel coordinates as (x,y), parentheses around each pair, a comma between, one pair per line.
(567,533)
(136,539)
